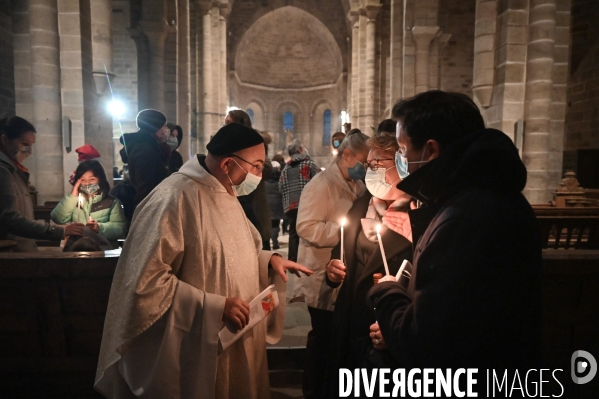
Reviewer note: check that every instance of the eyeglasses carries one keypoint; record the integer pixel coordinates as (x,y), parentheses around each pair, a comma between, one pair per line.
(374,164)
(259,168)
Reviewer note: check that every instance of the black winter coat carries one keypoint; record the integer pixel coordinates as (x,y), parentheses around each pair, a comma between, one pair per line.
(474,299)
(146,168)
(353,315)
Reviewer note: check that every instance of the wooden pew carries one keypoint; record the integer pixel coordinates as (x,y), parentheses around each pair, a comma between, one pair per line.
(568,228)
(52,309)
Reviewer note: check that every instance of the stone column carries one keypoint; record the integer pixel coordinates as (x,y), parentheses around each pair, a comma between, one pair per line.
(484,51)
(423,35)
(369,116)
(204,74)
(216,119)
(362,21)
(183,69)
(153,25)
(539,98)
(99,131)
(397,29)
(353,102)
(22,59)
(224,101)
(560,78)
(45,92)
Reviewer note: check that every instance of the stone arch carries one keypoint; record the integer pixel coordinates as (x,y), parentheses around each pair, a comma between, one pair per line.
(259,121)
(311,7)
(279,135)
(317,119)
(272,57)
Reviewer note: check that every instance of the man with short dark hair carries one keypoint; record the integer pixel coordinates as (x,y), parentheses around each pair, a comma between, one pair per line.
(297,173)
(474,297)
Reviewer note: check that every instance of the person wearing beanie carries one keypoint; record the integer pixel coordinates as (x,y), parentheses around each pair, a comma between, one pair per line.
(143,152)
(192,261)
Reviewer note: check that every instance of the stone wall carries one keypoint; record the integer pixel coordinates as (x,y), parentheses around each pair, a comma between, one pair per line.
(7,72)
(582,114)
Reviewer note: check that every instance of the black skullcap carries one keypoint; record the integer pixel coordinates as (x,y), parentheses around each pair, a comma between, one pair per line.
(150,120)
(232,138)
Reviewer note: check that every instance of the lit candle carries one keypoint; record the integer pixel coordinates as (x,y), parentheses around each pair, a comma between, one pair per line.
(378,235)
(79,206)
(343,221)
(403,266)
(81,201)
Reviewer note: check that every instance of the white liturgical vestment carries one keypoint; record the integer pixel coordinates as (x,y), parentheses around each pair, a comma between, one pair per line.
(190,247)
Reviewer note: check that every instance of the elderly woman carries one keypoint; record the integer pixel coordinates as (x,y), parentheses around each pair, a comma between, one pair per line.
(324,202)
(352,346)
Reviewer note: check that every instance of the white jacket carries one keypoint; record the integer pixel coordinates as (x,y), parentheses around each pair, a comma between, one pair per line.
(326,199)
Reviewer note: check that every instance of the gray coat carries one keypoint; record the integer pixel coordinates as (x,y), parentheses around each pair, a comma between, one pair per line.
(16,210)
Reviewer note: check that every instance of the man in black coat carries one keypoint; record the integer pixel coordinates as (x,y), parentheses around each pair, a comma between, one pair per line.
(144,153)
(474,299)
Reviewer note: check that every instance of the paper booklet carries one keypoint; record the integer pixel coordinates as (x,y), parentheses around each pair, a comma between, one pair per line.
(260,307)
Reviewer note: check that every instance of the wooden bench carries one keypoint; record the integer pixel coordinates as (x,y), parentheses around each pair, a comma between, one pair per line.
(568,228)
(52,309)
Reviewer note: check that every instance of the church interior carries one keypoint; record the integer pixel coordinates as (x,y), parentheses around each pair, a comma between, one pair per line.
(81,70)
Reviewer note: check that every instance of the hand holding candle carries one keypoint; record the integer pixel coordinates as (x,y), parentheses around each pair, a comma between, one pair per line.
(343,221)
(378,235)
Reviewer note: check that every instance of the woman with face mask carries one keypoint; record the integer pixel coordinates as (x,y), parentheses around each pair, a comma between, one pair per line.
(17,223)
(89,203)
(324,201)
(352,318)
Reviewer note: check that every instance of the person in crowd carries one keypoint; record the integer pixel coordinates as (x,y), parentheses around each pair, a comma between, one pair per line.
(352,318)
(86,152)
(144,154)
(174,141)
(278,157)
(325,200)
(386,126)
(275,202)
(297,173)
(17,137)
(89,202)
(336,141)
(238,116)
(255,205)
(115,172)
(126,194)
(474,299)
(191,262)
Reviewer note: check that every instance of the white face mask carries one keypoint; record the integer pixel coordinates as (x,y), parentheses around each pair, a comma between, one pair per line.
(376,182)
(172,143)
(248,185)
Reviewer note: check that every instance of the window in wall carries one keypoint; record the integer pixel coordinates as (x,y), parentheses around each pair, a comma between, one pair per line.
(250,112)
(288,121)
(326,128)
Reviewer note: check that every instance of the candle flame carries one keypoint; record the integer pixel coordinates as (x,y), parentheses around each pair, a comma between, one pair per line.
(343,221)
(378,228)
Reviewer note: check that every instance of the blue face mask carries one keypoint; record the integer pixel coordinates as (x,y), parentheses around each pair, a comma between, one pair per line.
(357,172)
(402,164)
(336,144)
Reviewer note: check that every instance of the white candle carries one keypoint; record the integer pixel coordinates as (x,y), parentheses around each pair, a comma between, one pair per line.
(80,206)
(343,221)
(79,201)
(378,235)
(403,266)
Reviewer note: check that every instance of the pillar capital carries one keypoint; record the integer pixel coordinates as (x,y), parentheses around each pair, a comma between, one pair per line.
(204,6)
(225,9)
(353,16)
(424,34)
(371,11)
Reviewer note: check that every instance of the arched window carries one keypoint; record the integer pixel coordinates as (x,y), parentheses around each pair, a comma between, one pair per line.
(250,112)
(288,121)
(326,128)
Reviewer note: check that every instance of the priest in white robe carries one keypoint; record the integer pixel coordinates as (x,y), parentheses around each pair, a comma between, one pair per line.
(192,262)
